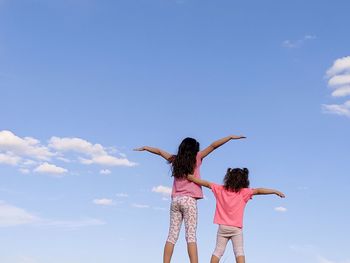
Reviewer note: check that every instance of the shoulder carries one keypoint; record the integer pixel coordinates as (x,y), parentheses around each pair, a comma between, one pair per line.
(199,157)
(247,193)
(216,187)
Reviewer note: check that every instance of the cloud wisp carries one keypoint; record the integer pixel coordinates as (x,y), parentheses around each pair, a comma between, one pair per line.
(142,206)
(161,189)
(103,202)
(11,216)
(313,254)
(297,43)
(281,209)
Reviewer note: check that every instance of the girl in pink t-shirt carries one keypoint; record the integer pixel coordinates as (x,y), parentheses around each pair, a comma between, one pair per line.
(231,199)
(185,193)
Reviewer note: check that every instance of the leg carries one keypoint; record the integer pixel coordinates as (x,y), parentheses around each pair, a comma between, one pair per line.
(240,259)
(189,209)
(192,252)
(174,230)
(237,243)
(168,252)
(221,242)
(214,259)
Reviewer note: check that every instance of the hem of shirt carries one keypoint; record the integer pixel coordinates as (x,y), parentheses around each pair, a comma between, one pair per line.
(195,197)
(226,224)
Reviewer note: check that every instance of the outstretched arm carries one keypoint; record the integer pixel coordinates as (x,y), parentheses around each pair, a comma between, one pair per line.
(198,181)
(266,191)
(218,143)
(167,156)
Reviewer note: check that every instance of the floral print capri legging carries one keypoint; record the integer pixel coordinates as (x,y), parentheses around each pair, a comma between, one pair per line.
(183,208)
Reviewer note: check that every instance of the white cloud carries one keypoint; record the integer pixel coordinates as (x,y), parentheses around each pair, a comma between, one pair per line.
(26,146)
(338,109)
(103,201)
(280,209)
(9,158)
(341,65)
(27,151)
(96,152)
(140,206)
(105,171)
(76,145)
(13,216)
(342,91)
(162,190)
(339,82)
(50,169)
(297,43)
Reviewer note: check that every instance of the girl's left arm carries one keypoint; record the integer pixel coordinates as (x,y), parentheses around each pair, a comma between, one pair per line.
(218,143)
(199,181)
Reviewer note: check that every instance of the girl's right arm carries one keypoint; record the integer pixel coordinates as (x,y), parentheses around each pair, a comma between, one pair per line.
(167,156)
(198,181)
(266,191)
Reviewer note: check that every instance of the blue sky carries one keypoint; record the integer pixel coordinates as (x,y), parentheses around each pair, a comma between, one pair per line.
(83,82)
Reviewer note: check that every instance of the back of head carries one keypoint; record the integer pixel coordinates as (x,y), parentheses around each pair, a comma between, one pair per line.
(184,162)
(236,179)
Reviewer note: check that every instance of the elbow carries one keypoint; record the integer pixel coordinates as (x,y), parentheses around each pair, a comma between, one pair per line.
(213,146)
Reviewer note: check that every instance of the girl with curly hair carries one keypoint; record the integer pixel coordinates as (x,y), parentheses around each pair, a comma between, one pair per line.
(231,199)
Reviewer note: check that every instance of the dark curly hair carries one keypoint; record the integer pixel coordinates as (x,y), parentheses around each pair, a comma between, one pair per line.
(184,162)
(236,179)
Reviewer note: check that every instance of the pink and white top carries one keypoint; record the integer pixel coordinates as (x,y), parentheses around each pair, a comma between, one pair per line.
(230,205)
(183,187)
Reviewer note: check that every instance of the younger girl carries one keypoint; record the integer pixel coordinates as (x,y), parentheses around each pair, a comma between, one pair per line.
(231,199)
(185,193)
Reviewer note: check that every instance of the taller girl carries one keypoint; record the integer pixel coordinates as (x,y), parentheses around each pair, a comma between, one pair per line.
(185,193)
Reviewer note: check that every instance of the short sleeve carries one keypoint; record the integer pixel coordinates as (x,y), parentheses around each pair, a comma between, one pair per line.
(198,159)
(215,188)
(247,194)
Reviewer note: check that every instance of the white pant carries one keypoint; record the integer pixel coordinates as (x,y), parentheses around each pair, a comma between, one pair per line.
(225,233)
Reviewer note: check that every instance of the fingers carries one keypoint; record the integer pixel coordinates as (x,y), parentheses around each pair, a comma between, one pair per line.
(139,149)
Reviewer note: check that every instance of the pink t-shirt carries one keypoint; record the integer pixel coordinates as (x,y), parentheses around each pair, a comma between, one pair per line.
(183,187)
(230,205)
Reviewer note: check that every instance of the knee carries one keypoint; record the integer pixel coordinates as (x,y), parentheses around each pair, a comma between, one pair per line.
(172,239)
(238,251)
(190,240)
(191,236)
(218,253)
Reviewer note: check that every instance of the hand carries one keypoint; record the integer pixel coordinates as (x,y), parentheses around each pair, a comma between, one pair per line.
(235,137)
(280,194)
(140,149)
